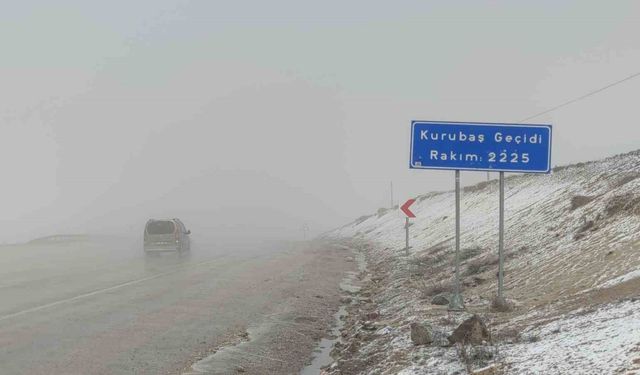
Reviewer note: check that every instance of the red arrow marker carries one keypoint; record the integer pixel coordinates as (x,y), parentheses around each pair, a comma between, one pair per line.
(405,208)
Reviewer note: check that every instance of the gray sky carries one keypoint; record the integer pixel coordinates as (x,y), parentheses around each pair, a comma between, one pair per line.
(255,116)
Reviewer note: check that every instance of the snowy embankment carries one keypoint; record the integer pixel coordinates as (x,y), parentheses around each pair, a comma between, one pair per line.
(601,342)
(572,270)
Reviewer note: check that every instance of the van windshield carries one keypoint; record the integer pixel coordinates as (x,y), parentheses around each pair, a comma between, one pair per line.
(160,227)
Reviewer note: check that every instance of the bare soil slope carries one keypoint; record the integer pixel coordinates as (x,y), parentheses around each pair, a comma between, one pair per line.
(572,272)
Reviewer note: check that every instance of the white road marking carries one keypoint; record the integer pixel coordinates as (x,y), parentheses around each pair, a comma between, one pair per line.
(105,290)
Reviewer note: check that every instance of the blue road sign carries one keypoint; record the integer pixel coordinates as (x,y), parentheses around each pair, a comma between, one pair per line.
(480,146)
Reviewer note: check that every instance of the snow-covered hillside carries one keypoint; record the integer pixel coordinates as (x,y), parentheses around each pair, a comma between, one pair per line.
(572,242)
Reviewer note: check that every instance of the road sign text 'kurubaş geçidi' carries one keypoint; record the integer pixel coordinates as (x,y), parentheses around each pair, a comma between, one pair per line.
(480,146)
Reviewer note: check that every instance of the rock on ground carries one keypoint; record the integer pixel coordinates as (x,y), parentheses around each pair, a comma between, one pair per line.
(421,334)
(472,331)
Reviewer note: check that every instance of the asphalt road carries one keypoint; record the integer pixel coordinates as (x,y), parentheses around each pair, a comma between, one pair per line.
(99,306)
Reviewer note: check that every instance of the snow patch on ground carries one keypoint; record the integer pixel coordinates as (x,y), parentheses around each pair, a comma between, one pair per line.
(602,342)
(620,279)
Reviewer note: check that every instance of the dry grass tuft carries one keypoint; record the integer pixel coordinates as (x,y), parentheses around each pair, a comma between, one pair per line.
(580,200)
(532,338)
(480,265)
(625,179)
(477,187)
(470,252)
(361,219)
(430,290)
(476,356)
(501,305)
(510,335)
(626,203)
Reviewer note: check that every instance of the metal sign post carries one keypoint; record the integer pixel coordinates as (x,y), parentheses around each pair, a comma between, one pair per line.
(524,148)
(501,241)
(406,234)
(405,209)
(391,188)
(456,302)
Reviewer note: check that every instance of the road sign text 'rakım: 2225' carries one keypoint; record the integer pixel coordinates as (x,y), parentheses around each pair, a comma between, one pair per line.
(480,146)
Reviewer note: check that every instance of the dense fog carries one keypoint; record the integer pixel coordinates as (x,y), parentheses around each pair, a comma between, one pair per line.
(257,119)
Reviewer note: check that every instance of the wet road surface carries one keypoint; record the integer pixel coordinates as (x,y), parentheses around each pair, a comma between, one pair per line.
(99,306)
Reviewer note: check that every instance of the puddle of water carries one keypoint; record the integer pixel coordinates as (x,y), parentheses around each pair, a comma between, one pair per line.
(347,284)
(361,262)
(222,361)
(323,351)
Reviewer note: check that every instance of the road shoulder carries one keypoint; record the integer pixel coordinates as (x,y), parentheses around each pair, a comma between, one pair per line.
(283,339)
